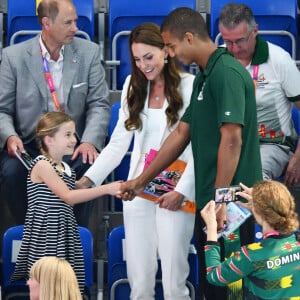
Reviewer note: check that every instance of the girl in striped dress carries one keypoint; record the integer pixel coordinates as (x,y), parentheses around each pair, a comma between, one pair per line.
(50,225)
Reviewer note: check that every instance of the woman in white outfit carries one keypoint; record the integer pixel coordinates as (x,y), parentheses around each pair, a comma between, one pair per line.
(154,98)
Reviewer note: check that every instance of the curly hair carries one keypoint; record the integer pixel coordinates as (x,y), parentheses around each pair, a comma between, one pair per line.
(149,34)
(275,204)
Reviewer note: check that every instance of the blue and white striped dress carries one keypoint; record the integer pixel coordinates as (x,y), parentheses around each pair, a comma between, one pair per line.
(50,227)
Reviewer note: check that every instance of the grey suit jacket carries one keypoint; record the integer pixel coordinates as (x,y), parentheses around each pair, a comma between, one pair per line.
(24,93)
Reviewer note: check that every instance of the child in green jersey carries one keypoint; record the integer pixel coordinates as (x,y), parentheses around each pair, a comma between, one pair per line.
(274,209)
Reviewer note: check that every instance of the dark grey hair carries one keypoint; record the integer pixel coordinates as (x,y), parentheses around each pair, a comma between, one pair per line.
(233,14)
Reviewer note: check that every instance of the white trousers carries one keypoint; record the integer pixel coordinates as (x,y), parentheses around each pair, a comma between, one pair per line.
(150,232)
(274,159)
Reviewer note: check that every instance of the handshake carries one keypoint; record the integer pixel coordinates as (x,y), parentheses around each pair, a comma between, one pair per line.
(127,191)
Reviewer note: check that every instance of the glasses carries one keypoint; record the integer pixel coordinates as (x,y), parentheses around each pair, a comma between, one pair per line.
(238,42)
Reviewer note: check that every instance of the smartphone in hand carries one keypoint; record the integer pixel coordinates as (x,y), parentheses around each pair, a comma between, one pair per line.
(24,158)
(227,194)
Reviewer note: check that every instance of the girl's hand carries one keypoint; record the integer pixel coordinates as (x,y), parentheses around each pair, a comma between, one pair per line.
(246,194)
(129,189)
(208,213)
(114,187)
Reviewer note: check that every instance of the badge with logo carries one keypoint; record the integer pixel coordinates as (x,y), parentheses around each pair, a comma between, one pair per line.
(200,96)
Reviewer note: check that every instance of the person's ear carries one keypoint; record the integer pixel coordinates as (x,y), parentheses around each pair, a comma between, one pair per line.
(255,29)
(189,37)
(48,140)
(46,22)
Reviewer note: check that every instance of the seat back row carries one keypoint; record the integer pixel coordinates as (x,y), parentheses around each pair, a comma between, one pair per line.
(276,22)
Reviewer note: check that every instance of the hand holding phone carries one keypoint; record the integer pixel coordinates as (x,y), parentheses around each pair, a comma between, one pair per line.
(24,158)
(227,194)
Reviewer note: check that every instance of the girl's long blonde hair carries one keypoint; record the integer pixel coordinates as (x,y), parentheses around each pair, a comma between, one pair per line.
(56,278)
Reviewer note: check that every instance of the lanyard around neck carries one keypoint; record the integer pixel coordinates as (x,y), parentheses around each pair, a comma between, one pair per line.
(49,81)
(255,75)
(270,233)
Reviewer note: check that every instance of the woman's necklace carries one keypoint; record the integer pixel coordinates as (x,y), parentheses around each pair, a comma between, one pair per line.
(158,90)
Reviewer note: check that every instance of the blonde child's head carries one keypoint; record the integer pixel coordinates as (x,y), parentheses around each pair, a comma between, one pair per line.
(56,279)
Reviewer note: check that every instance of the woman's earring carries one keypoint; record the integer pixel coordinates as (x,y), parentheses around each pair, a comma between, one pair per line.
(166,60)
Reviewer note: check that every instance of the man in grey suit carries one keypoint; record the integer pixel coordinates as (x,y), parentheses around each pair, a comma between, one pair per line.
(53,71)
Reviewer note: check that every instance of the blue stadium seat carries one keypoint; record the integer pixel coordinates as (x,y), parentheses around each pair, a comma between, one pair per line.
(21,15)
(271,15)
(86,238)
(86,17)
(123,17)
(22,22)
(10,248)
(118,286)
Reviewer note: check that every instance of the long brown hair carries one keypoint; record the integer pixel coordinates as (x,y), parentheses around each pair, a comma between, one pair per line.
(149,34)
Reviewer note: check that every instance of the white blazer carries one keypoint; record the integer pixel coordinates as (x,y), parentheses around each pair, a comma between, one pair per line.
(113,153)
